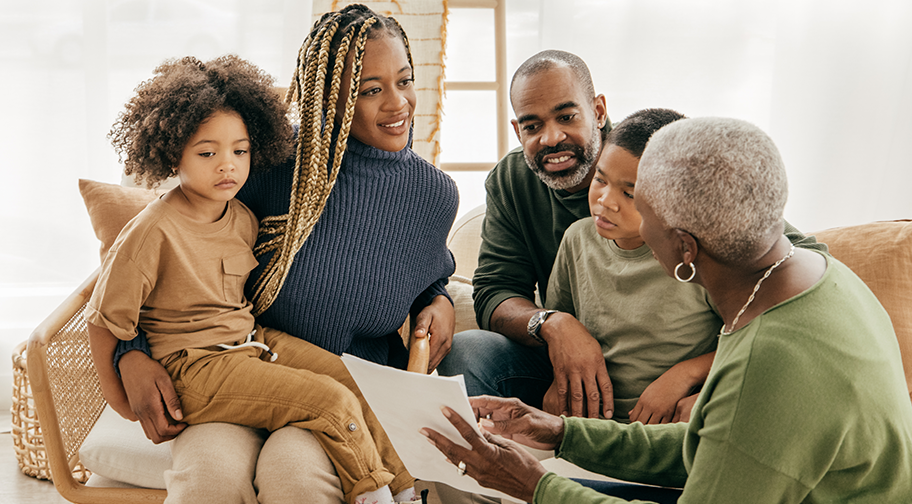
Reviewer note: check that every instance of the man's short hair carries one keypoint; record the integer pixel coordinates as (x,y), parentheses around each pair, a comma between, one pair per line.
(552,58)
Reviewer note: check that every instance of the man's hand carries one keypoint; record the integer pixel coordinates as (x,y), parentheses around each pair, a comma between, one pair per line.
(438,320)
(552,403)
(580,377)
(152,396)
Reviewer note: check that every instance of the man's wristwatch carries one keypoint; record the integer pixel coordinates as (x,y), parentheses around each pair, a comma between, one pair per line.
(535,323)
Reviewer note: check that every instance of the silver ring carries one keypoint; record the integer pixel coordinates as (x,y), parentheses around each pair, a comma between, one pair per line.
(460,468)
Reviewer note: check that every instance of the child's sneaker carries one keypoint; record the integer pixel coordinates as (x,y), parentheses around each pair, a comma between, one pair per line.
(415,499)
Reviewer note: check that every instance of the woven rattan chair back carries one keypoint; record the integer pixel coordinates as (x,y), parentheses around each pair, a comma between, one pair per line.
(68,399)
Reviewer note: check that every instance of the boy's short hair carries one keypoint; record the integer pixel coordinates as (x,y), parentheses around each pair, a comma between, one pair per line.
(166,110)
(635,130)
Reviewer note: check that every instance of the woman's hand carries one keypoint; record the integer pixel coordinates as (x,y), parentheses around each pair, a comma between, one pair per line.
(102,344)
(494,462)
(152,396)
(438,320)
(512,419)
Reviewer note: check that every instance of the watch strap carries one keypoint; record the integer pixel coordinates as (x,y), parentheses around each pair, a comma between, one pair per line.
(533,327)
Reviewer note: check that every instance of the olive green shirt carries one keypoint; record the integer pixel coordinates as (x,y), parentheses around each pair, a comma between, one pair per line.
(644,320)
(805,403)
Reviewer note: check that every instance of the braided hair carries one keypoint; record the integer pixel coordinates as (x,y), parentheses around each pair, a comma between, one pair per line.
(336,40)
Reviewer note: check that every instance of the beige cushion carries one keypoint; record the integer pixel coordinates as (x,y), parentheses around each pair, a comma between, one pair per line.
(111,206)
(465,239)
(118,449)
(880,253)
(460,289)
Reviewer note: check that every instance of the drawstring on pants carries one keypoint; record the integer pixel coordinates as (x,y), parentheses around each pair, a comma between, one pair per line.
(251,343)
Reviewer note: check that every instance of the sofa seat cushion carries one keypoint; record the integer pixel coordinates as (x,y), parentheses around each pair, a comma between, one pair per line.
(117,449)
(880,253)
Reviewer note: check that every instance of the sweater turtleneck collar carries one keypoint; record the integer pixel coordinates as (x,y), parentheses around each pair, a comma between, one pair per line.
(360,157)
(359,148)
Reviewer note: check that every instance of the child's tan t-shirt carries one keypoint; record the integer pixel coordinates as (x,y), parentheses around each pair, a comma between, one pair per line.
(182,281)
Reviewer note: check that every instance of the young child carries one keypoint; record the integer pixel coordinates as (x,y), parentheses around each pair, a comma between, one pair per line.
(658,336)
(177,272)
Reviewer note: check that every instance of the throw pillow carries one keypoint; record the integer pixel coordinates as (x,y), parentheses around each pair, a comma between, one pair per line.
(880,253)
(111,206)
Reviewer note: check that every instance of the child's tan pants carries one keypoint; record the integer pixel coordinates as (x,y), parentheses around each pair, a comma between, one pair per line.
(306,387)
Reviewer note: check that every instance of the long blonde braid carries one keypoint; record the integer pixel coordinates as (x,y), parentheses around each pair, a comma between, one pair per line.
(312,182)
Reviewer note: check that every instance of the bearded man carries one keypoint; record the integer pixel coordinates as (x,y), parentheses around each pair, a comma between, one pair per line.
(533,194)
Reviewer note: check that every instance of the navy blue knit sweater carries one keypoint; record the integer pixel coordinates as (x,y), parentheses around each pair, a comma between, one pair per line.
(377,252)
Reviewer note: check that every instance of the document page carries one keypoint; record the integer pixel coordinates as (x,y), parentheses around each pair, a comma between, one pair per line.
(404,403)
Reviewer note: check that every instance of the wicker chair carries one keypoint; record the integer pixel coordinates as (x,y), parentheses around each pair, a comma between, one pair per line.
(68,396)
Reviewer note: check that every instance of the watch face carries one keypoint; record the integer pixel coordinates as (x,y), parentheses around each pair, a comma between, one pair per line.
(535,322)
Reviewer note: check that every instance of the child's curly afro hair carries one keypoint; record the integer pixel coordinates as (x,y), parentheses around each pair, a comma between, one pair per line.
(150,135)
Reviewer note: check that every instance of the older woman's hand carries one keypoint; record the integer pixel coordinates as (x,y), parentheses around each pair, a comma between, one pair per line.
(497,463)
(512,419)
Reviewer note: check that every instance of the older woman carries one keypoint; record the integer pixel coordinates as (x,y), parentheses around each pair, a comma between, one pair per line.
(806,400)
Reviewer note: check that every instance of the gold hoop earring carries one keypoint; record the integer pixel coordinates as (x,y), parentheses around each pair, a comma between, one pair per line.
(693,271)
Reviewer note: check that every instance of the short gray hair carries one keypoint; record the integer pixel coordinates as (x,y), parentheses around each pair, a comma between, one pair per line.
(722,180)
(553,58)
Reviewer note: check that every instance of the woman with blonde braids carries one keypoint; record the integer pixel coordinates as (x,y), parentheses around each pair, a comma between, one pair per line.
(353,232)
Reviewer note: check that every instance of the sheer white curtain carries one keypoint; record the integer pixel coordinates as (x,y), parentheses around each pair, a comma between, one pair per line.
(830,80)
(67,68)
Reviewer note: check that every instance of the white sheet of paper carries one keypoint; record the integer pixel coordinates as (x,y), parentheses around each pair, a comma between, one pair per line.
(404,403)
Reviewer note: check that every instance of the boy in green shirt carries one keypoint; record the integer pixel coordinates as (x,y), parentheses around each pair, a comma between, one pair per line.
(658,336)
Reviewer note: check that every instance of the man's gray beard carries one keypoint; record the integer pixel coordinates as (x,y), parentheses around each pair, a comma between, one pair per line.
(574,176)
